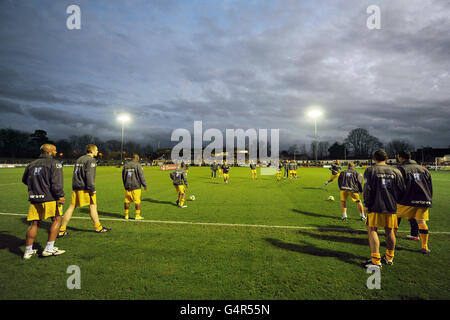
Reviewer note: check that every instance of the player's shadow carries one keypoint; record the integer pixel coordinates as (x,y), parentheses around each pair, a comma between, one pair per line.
(103,213)
(342,229)
(13,244)
(308,248)
(317,215)
(159,201)
(335,238)
(312,188)
(45,225)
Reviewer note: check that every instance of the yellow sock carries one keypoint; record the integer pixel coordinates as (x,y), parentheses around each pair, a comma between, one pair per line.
(138,213)
(127,211)
(182,202)
(376,258)
(390,255)
(423,232)
(62,229)
(98,226)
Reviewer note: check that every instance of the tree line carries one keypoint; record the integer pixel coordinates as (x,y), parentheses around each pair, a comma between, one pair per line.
(20,144)
(359,144)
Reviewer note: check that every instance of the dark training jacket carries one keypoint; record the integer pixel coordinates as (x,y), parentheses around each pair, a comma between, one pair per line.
(383,188)
(179,176)
(44,178)
(84,174)
(419,187)
(133,176)
(351,180)
(335,169)
(225,168)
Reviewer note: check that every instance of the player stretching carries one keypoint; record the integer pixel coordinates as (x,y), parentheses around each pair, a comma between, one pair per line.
(335,168)
(226,171)
(351,185)
(179,179)
(383,187)
(44,178)
(84,194)
(253,170)
(418,196)
(133,178)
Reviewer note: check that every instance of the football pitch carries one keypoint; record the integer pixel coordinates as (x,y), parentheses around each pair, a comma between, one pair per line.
(262,239)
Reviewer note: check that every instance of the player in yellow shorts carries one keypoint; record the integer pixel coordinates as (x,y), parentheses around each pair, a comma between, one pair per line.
(253,170)
(84,193)
(418,196)
(133,179)
(44,178)
(335,168)
(350,185)
(383,185)
(226,171)
(179,178)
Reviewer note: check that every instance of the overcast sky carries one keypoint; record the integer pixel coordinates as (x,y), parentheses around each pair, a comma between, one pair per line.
(232,64)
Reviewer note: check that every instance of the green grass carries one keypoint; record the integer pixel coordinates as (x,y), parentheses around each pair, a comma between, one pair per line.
(205,260)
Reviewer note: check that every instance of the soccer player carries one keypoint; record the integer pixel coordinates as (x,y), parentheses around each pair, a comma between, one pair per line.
(83,190)
(280,167)
(335,168)
(214,168)
(286,169)
(133,178)
(292,168)
(179,179)
(44,178)
(220,171)
(350,184)
(253,170)
(383,187)
(418,196)
(226,171)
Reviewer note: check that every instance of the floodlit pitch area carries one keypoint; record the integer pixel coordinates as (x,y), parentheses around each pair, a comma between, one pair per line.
(263,239)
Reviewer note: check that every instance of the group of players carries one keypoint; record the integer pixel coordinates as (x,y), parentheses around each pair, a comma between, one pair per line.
(44,178)
(390,193)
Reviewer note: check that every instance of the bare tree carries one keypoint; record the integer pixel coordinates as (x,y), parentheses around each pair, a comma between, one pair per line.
(362,142)
(395,146)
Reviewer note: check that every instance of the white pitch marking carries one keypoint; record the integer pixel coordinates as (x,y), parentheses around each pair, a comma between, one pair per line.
(218,224)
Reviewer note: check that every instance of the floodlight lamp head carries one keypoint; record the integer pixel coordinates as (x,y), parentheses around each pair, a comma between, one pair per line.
(315,113)
(123,118)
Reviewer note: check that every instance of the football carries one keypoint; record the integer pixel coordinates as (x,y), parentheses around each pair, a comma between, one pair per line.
(331,198)
(192,197)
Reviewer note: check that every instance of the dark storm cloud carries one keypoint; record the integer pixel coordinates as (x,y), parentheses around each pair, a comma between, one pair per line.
(10,107)
(231,64)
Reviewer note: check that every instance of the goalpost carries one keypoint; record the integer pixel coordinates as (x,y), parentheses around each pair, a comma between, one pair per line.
(442,163)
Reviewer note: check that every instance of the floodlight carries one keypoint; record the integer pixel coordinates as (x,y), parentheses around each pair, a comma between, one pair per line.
(315,113)
(123,117)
